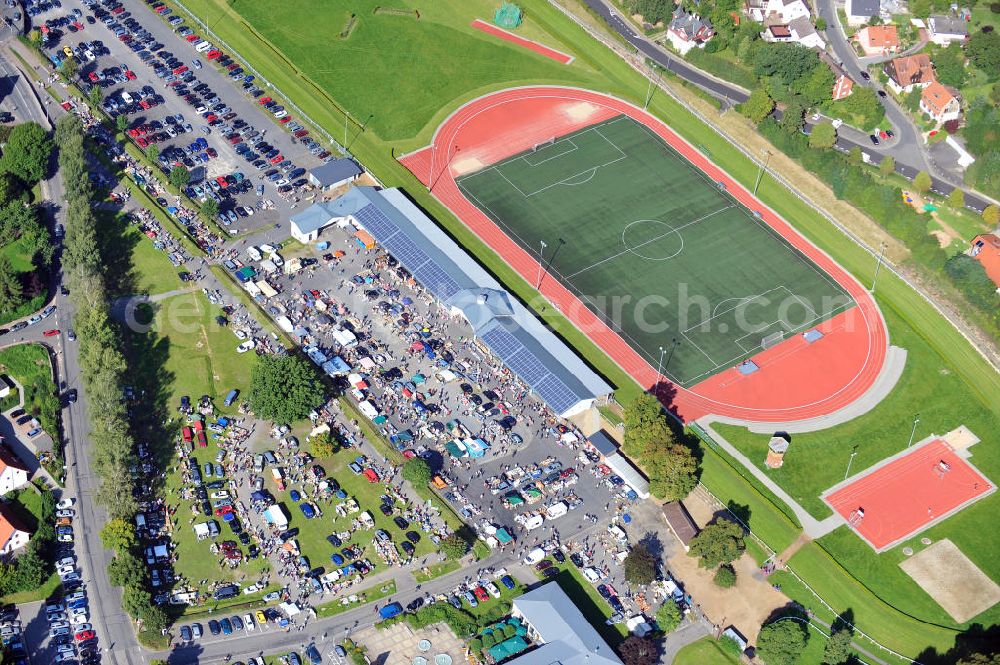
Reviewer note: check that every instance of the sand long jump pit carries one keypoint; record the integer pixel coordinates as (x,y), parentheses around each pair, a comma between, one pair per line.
(952,580)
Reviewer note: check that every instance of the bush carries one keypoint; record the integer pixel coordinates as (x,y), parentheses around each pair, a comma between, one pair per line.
(725,577)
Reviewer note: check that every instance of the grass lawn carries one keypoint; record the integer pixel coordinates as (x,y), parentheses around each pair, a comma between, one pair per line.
(141,269)
(20,258)
(436,56)
(953,373)
(313,533)
(29,365)
(369,595)
(435,571)
(705,651)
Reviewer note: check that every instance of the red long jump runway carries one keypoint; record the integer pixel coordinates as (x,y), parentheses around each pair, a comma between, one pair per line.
(541,49)
(907,494)
(796,380)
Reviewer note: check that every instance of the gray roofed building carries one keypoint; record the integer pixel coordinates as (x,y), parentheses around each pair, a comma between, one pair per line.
(336,173)
(947,29)
(860,11)
(536,356)
(566,637)
(604,444)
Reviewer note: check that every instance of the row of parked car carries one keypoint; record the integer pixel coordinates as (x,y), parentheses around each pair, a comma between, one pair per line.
(12,636)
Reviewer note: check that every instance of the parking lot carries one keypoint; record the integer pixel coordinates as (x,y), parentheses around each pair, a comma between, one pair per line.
(193,103)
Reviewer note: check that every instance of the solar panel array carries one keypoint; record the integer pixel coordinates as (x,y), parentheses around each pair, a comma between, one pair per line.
(526,365)
(432,276)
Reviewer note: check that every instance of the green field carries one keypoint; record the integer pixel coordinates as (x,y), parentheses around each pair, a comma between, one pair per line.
(654,247)
(705,651)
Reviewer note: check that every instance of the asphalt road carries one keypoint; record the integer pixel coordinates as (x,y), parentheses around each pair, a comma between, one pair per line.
(904,149)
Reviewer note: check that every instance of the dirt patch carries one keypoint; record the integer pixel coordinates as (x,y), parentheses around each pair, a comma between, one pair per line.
(466,165)
(944,240)
(950,578)
(579,111)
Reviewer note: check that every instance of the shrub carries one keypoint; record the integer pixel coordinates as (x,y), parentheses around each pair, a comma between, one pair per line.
(725,577)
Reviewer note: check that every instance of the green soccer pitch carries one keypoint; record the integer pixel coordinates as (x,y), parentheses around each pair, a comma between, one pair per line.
(661,253)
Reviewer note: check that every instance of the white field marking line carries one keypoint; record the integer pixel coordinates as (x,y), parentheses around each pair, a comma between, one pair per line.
(767,326)
(574,148)
(628,250)
(725,195)
(587,170)
(715,365)
(747,300)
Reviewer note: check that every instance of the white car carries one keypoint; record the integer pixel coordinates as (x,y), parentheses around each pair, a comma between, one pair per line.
(492,589)
(75,596)
(81,627)
(246,346)
(56,617)
(70,577)
(66,570)
(64,538)
(56,625)
(66,561)
(65,503)
(220,495)
(65,648)
(79,619)
(66,512)
(248,622)
(65,657)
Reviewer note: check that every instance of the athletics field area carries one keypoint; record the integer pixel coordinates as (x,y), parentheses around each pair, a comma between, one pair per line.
(670,266)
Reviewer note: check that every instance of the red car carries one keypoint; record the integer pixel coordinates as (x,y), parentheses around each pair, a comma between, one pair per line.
(213,54)
(94,77)
(223,510)
(130,75)
(51,333)
(181,69)
(192,39)
(481,594)
(409,454)
(118,10)
(264,100)
(142,142)
(85,635)
(277,158)
(302,132)
(371,475)
(202,441)
(287,119)
(186,434)
(222,181)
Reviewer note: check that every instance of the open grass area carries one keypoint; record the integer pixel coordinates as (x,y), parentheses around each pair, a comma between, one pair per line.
(22,261)
(956,368)
(19,256)
(624,213)
(705,651)
(29,365)
(433,54)
(435,571)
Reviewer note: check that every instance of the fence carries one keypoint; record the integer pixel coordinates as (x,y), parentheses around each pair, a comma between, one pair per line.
(638,63)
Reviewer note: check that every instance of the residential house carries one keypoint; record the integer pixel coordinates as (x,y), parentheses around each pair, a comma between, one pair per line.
(940,103)
(13,534)
(909,73)
(878,39)
(986,250)
(800,31)
(13,472)
(842,87)
(944,30)
(688,30)
(860,12)
(775,11)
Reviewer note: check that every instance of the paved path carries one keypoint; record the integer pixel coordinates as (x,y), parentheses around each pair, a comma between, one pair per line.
(690,631)
(810,525)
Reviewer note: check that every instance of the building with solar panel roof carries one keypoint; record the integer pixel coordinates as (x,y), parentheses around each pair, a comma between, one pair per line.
(542,362)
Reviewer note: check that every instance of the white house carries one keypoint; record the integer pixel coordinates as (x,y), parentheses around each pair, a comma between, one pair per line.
(947,29)
(939,103)
(13,535)
(13,473)
(860,12)
(775,11)
(799,30)
(687,31)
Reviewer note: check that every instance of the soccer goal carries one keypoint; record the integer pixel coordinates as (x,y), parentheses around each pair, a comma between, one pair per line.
(543,144)
(773,339)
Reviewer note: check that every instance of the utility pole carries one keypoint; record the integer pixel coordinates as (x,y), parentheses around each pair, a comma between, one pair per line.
(541,251)
(878,265)
(916,419)
(659,372)
(763,168)
(850,461)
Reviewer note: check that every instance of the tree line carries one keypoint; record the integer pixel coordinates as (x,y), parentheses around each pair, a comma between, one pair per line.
(104,369)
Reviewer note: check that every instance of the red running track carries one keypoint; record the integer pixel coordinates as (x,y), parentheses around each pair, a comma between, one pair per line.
(908,494)
(796,380)
(541,49)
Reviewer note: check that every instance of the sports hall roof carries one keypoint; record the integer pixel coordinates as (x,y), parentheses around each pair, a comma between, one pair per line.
(538,358)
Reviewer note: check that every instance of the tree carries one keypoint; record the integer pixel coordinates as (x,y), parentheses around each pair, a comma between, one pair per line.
(838,648)
(863,105)
(11,295)
(27,152)
(210,208)
(95,95)
(119,535)
(640,565)
(285,388)
(454,546)
(991,214)
(949,65)
(719,542)
(121,122)
(126,569)
(645,424)
(758,106)
(983,50)
(672,470)
(887,166)
(69,69)
(725,576)
(818,86)
(179,176)
(637,650)
(781,642)
(153,152)
(957,198)
(854,156)
(417,471)
(323,445)
(668,616)
(980,659)
(823,135)
(922,182)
